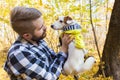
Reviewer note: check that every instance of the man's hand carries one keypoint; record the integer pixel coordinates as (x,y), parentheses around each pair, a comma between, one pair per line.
(66,39)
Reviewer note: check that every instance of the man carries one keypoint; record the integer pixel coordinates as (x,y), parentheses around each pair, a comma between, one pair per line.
(29,57)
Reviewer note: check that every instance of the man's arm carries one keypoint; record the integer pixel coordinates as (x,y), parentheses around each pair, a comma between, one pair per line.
(33,67)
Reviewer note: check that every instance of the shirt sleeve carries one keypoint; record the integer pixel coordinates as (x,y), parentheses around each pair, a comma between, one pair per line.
(33,67)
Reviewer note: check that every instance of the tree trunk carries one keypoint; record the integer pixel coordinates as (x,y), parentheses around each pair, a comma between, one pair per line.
(111,52)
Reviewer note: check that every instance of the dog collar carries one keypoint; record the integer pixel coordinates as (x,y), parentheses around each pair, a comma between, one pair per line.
(71,27)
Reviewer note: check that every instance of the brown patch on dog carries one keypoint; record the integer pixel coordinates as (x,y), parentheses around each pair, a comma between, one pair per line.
(66,19)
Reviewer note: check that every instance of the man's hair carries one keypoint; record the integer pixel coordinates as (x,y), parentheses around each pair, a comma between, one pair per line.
(21,19)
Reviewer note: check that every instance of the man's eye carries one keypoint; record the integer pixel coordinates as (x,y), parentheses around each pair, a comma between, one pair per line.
(61,21)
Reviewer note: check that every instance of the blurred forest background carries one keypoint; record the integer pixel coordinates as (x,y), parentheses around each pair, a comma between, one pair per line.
(51,9)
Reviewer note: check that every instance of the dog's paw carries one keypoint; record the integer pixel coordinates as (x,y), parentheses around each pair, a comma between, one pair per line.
(92,59)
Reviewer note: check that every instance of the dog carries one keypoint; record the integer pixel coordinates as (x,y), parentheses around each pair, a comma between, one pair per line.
(75,63)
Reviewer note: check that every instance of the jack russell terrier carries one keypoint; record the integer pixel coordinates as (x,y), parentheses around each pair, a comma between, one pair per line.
(75,62)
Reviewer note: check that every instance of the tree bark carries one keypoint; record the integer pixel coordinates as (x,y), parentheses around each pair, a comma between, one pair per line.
(111,51)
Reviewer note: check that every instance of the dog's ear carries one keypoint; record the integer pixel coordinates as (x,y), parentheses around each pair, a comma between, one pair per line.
(67,20)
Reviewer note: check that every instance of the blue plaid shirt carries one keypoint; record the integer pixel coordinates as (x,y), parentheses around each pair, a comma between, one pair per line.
(34,62)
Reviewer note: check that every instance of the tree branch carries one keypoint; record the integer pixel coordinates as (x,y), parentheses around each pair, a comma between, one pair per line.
(95,38)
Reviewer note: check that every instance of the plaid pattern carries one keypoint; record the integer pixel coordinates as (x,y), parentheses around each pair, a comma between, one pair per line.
(32,62)
(72,27)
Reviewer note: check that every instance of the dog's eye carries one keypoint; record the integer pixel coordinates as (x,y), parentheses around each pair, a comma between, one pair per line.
(61,21)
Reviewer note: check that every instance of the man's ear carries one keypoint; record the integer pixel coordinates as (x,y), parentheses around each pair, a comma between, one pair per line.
(27,36)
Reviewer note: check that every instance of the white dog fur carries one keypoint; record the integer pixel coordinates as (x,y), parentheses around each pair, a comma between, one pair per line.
(75,63)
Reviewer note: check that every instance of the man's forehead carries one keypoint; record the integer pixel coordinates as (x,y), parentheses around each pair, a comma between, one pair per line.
(38,21)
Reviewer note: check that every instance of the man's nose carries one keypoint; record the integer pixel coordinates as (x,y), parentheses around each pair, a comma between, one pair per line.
(45,28)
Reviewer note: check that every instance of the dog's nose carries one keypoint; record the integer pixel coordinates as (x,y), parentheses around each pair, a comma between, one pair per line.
(52,26)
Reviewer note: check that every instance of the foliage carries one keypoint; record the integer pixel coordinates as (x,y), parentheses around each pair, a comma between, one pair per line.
(51,9)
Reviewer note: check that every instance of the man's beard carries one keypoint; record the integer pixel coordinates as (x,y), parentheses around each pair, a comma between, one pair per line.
(37,39)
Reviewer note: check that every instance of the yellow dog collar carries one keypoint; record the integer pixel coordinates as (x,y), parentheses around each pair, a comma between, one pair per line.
(75,31)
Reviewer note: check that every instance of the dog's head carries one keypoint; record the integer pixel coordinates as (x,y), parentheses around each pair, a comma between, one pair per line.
(61,22)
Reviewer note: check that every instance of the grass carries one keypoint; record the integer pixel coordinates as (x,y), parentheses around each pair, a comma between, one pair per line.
(3,74)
